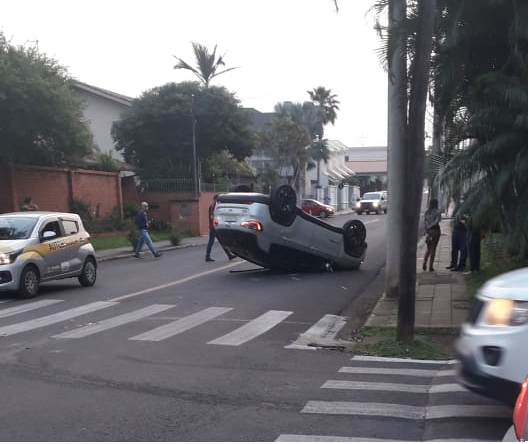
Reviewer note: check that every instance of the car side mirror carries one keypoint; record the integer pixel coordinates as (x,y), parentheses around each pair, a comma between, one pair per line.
(48,235)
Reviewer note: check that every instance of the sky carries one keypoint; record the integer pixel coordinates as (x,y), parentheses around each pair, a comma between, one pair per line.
(281,48)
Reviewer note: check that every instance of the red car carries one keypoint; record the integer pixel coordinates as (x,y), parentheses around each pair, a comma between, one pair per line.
(316,208)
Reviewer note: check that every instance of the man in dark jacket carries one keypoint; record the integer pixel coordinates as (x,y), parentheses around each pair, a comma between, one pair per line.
(212,234)
(142,223)
(459,246)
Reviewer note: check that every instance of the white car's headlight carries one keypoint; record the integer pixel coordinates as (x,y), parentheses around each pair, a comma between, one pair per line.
(375,204)
(358,205)
(9,258)
(505,312)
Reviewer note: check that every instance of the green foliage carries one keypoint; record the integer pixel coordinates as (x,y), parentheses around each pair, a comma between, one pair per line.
(429,343)
(107,162)
(175,238)
(156,132)
(132,237)
(129,209)
(42,122)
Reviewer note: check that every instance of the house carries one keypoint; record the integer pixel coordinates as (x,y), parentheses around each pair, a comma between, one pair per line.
(370,164)
(101,108)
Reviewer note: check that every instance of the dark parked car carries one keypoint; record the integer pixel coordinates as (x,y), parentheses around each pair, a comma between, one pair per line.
(271,231)
(316,208)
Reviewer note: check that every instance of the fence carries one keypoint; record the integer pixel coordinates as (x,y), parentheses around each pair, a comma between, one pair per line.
(182,184)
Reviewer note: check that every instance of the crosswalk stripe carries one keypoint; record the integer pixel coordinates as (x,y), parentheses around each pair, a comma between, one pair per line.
(253,328)
(181,325)
(405,360)
(321,332)
(27,307)
(405,411)
(323,438)
(396,371)
(388,386)
(53,319)
(116,321)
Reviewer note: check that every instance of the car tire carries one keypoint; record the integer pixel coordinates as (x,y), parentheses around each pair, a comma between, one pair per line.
(283,205)
(354,236)
(88,275)
(29,282)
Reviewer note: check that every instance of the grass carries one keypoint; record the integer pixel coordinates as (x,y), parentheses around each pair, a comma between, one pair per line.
(121,240)
(428,343)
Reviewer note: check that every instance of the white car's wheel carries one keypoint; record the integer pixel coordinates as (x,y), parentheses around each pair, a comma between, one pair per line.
(88,275)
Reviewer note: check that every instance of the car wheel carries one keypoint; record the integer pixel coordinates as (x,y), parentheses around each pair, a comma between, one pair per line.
(354,233)
(283,205)
(29,282)
(88,275)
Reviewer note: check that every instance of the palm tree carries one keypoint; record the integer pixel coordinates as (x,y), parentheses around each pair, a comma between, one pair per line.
(327,103)
(207,64)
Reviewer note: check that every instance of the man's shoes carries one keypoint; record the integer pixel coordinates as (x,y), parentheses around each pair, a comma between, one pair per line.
(208,259)
(137,256)
(157,255)
(424,266)
(459,269)
(431,269)
(450,267)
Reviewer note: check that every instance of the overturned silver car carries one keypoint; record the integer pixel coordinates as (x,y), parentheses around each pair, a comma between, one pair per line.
(271,231)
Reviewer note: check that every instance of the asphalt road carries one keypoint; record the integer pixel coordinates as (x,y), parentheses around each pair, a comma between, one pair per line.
(177,349)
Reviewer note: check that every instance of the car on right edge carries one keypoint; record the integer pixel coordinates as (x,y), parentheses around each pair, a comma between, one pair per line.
(492,346)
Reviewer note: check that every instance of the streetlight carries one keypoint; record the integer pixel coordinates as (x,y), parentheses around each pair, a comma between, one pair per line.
(195,188)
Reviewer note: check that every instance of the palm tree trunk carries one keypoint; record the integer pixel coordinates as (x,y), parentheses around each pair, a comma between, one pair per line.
(414,170)
(397,116)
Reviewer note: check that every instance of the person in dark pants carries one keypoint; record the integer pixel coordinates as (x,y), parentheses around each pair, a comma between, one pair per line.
(474,244)
(432,217)
(212,234)
(459,246)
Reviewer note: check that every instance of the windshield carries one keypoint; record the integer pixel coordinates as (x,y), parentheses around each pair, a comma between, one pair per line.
(371,196)
(16,227)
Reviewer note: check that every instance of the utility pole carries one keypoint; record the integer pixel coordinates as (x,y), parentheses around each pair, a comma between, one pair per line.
(195,188)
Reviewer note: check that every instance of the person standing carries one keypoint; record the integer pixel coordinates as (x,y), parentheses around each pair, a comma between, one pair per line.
(28,205)
(459,246)
(142,223)
(212,234)
(432,217)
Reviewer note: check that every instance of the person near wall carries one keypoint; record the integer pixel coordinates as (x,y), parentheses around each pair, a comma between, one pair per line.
(432,217)
(28,205)
(212,234)
(142,224)
(459,246)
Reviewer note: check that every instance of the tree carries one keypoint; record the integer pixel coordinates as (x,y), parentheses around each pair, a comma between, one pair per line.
(207,64)
(41,120)
(327,104)
(155,133)
(286,142)
(414,168)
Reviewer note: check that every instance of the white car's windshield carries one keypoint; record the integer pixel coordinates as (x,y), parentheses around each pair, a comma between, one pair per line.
(16,227)
(371,196)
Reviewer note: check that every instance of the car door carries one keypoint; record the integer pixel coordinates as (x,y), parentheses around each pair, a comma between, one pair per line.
(73,239)
(57,255)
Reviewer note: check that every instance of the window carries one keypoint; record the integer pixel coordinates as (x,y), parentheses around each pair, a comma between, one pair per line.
(70,227)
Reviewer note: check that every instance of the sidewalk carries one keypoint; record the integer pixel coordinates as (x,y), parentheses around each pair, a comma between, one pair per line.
(440,298)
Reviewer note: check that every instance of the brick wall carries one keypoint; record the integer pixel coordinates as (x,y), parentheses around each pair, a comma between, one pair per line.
(53,189)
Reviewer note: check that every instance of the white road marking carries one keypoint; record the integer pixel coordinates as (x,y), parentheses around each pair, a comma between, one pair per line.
(397,371)
(114,322)
(181,325)
(53,319)
(173,283)
(27,307)
(388,386)
(323,438)
(253,328)
(322,332)
(406,360)
(406,411)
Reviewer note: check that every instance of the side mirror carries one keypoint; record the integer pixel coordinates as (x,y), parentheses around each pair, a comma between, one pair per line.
(48,235)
